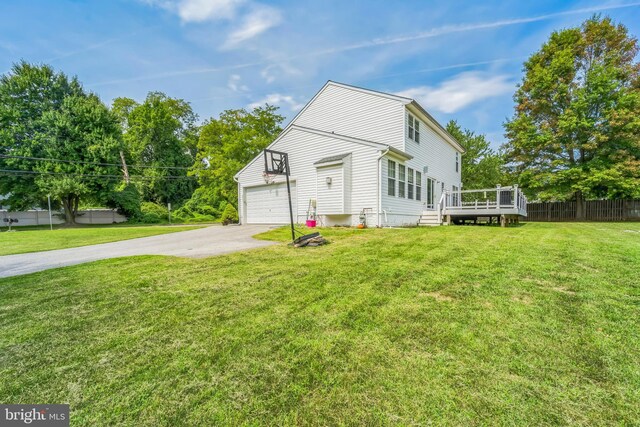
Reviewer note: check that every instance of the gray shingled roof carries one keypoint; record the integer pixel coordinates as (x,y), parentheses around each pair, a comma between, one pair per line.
(332,158)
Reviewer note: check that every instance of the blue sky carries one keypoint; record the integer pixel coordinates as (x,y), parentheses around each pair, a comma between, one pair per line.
(461,60)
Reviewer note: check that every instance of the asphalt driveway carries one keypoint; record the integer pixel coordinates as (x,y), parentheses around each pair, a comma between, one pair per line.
(198,243)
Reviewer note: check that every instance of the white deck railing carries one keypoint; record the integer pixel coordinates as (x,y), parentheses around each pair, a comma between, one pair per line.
(499,200)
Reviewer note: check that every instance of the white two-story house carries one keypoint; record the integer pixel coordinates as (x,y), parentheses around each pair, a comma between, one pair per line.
(355,151)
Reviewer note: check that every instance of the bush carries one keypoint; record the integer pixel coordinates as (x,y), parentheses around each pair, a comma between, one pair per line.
(230,215)
(153,213)
(126,200)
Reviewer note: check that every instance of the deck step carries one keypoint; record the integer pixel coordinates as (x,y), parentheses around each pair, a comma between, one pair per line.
(429,219)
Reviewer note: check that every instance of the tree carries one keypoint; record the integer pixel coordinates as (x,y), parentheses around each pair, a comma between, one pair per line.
(482,167)
(27,94)
(576,128)
(55,139)
(228,143)
(86,136)
(160,137)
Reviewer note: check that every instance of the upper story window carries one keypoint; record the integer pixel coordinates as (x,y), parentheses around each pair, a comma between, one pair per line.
(414,129)
(401,180)
(391,178)
(457,161)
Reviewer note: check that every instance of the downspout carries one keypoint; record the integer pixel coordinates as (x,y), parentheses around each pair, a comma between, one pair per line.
(379,196)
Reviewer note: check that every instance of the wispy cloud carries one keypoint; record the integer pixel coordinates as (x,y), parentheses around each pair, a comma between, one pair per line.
(270,72)
(235,84)
(256,22)
(199,10)
(460,91)
(248,19)
(101,44)
(379,42)
(450,29)
(279,100)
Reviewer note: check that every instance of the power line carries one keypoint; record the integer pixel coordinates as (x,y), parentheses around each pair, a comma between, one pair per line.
(106,176)
(7,156)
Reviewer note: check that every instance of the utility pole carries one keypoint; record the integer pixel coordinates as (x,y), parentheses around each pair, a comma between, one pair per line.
(125,171)
(50,222)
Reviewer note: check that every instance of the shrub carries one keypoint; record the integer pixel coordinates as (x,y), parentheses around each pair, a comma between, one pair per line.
(230,215)
(153,213)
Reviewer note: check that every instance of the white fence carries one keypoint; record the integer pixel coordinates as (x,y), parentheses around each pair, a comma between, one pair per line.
(41,217)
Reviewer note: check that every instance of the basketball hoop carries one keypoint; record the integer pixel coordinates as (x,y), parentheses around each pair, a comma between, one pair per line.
(277,163)
(269,178)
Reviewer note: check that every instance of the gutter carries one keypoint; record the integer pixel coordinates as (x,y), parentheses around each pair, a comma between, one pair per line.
(379,195)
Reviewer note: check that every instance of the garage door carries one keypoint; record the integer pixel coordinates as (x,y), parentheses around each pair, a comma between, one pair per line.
(268,204)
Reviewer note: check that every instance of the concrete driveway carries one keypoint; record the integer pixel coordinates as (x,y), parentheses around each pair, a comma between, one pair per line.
(198,243)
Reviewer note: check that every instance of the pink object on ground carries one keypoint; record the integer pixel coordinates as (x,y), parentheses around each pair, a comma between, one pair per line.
(311,223)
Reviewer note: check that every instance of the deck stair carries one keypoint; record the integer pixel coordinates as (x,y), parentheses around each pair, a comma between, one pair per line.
(429,219)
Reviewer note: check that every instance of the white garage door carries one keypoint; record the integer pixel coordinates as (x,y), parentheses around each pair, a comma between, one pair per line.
(268,204)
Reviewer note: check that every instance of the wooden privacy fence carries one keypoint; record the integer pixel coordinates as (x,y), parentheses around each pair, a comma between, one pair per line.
(594,210)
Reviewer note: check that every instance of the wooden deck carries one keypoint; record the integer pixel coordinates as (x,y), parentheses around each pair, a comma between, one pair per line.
(506,205)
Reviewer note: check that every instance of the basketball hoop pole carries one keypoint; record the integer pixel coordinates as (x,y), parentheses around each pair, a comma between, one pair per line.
(277,163)
(293,233)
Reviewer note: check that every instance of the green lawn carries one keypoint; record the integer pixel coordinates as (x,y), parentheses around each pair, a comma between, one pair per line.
(535,325)
(43,239)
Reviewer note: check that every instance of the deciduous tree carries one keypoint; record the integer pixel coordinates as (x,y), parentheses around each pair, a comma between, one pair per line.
(228,143)
(482,166)
(576,128)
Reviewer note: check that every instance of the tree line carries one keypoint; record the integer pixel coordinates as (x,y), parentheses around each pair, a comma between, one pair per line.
(58,140)
(574,135)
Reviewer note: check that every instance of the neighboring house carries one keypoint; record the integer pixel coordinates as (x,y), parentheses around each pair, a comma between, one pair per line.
(353,150)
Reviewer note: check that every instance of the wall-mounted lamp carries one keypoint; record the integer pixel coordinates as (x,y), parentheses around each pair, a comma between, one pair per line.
(328,180)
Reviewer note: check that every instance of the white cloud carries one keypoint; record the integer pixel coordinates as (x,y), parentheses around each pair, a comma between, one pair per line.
(460,91)
(257,21)
(271,72)
(234,84)
(199,10)
(248,19)
(278,99)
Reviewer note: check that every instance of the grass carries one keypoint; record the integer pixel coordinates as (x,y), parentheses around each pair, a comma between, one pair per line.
(536,325)
(34,239)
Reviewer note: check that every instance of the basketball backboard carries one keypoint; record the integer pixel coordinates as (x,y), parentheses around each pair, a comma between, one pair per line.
(276,162)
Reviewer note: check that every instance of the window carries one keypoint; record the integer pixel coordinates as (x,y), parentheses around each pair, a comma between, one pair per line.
(410,183)
(418,186)
(457,161)
(431,187)
(456,195)
(401,180)
(414,129)
(391,178)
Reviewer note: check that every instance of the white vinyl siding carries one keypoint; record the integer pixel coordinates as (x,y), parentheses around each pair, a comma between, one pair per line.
(331,190)
(436,154)
(356,114)
(304,149)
